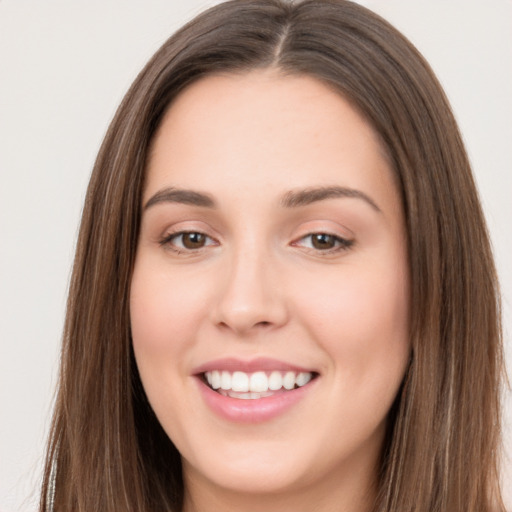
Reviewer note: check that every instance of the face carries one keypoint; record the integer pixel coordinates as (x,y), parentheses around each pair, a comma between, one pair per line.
(269,300)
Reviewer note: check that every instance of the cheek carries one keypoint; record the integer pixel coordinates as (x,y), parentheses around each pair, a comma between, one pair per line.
(361,320)
(152,311)
(164,311)
(164,308)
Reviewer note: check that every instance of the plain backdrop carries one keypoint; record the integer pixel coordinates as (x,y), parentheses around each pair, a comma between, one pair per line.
(64,67)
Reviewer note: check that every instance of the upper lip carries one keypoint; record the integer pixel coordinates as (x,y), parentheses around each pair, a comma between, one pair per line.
(231,364)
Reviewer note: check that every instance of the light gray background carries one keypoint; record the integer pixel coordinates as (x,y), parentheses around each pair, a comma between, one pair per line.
(64,67)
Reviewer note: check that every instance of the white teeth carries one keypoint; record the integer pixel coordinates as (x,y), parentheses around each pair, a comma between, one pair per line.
(215,376)
(258,382)
(255,385)
(302,379)
(289,380)
(275,381)
(225,380)
(240,382)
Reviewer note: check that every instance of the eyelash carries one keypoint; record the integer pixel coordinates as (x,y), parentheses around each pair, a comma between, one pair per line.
(168,241)
(341,244)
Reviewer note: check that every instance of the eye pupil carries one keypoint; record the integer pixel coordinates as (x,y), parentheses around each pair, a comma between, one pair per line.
(193,240)
(323,241)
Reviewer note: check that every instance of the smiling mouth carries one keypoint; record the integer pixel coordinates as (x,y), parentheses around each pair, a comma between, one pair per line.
(255,385)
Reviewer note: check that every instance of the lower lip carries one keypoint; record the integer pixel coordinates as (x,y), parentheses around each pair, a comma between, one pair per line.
(252,410)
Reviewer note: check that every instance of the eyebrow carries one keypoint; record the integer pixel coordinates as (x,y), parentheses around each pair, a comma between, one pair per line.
(177,195)
(294,199)
(291,199)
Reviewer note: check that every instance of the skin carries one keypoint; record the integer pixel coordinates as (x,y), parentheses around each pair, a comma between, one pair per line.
(259,287)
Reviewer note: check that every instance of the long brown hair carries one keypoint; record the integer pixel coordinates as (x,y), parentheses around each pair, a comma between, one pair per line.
(107,451)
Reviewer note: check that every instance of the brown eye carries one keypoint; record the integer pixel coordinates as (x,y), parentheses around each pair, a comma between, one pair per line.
(323,241)
(193,240)
(187,241)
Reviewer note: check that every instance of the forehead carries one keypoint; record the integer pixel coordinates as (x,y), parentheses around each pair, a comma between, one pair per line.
(263,128)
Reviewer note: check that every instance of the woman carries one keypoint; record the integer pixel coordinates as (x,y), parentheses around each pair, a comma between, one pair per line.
(283,295)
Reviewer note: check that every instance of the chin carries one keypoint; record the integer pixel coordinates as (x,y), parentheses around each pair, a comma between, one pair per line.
(259,469)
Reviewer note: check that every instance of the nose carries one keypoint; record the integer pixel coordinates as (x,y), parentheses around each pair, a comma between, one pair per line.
(252,296)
